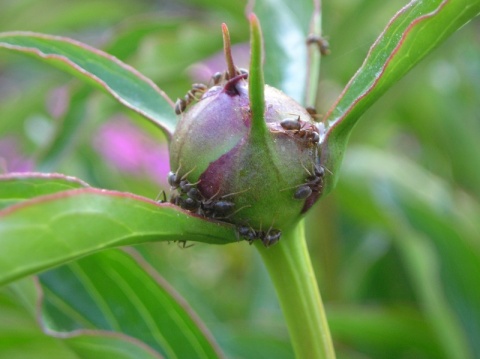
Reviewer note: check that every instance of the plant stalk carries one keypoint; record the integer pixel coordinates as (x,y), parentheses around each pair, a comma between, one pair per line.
(290,268)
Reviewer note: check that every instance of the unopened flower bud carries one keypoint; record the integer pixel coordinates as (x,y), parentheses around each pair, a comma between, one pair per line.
(262,187)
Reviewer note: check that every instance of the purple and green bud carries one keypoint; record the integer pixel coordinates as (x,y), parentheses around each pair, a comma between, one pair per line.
(245,154)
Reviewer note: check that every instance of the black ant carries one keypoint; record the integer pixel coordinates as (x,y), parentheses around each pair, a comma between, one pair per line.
(321,42)
(268,239)
(302,129)
(247,233)
(193,94)
(313,184)
(303,192)
(271,237)
(175,181)
(220,208)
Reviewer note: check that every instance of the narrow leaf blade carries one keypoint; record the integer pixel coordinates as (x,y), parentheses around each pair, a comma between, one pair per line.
(104,345)
(121,81)
(117,291)
(436,231)
(22,337)
(16,187)
(412,33)
(50,230)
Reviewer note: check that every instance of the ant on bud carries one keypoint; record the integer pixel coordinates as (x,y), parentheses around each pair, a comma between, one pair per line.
(313,184)
(303,130)
(194,94)
(268,238)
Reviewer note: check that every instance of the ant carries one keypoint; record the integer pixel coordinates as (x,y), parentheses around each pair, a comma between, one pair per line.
(198,89)
(175,181)
(220,208)
(193,94)
(271,237)
(247,233)
(217,78)
(298,128)
(268,239)
(314,183)
(321,42)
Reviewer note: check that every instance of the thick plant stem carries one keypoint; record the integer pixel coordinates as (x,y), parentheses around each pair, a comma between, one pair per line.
(314,57)
(290,268)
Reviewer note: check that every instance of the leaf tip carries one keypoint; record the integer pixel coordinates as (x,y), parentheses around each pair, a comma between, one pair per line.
(227,49)
(253,19)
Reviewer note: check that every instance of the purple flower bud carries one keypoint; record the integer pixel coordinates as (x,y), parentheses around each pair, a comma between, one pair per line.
(262,187)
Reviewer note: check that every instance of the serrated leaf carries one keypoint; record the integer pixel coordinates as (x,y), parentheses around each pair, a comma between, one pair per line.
(412,33)
(125,84)
(17,187)
(114,291)
(47,231)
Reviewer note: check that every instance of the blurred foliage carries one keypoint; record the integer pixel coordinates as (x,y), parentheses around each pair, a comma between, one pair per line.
(396,246)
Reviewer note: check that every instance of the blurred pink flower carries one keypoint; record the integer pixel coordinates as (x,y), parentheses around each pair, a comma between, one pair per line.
(11,157)
(133,151)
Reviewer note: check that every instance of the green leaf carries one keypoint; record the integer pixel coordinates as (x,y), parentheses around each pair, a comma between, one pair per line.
(393,332)
(103,345)
(50,230)
(124,83)
(22,337)
(116,291)
(436,231)
(286,27)
(19,187)
(413,33)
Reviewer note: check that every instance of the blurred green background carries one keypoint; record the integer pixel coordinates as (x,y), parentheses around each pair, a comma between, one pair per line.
(396,247)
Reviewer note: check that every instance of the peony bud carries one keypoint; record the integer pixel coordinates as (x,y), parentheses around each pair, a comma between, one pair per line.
(221,170)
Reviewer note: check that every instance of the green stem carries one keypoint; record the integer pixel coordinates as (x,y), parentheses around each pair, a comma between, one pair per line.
(314,57)
(290,268)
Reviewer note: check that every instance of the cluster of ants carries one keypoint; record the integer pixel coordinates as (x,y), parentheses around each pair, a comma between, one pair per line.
(310,133)
(190,198)
(198,89)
